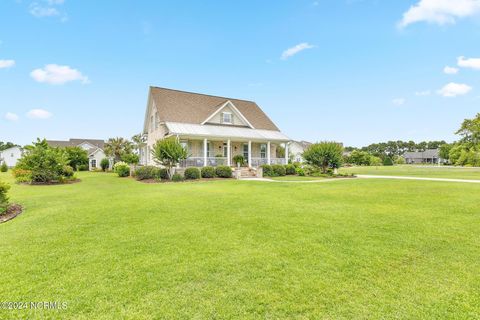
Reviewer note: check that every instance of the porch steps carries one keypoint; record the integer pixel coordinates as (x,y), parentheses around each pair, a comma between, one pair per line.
(246,173)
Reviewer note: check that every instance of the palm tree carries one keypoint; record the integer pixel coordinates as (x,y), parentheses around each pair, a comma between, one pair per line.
(138,142)
(116,147)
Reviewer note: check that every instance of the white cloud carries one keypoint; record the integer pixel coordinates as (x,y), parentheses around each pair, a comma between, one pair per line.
(11,116)
(6,63)
(39,11)
(399,101)
(450,70)
(55,74)
(473,63)
(440,11)
(454,89)
(296,49)
(39,114)
(423,93)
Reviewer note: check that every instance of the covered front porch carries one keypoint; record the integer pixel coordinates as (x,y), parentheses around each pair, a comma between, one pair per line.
(216,152)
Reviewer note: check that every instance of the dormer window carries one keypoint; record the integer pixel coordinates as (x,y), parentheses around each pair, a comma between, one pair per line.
(227,117)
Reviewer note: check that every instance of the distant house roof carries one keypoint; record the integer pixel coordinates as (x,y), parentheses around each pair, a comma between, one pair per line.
(187,129)
(186,107)
(427,154)
(76,142)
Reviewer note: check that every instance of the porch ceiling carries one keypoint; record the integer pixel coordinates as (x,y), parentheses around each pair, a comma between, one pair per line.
(224,132)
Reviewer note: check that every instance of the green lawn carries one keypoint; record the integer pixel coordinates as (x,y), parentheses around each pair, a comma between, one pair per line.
(350,249)
(296,178)
(418,171)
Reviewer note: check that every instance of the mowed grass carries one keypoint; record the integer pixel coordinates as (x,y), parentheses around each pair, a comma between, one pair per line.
(350,249)
(296,178)
(418,171)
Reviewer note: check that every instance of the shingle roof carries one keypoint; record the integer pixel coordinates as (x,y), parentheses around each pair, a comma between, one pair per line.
(187,107)
(427,154)
(76,142)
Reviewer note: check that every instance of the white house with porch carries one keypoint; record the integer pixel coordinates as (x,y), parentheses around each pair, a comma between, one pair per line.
(213,129)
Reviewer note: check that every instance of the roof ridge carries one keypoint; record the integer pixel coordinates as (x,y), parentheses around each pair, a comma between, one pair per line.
(203,94)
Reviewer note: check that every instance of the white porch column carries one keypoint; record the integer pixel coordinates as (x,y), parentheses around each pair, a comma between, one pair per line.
(286,152)
(228,153)
(205,151)
(268,152)
(249,154)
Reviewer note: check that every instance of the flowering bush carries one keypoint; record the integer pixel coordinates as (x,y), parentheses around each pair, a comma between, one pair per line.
(122,169)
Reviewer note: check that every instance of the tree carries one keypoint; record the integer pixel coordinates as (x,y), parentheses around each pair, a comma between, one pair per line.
(131,158)
(138,142)
(324,155)
(444,152)
(117,147)
(169,152)
(470,131)
(6,145)
(76,157)
(3,167)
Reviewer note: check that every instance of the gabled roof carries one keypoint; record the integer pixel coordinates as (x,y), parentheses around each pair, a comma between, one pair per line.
(76,142)
(427,154)
(187,107)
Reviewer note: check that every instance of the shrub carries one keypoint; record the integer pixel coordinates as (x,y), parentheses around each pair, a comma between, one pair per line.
(208,172)
(192,174)
(223,172)
(3,167)
(122,169)
(388,161)
(67,171)
(300,171)
(3,197)
(130,158)
(21,175)
(297,164)
(147,172)
(375,161)
(400,160)
(164,174)
(267,170)
(177,177)
(239,159)
(82,167)
(278,170)
(44,163)
(105,164)
(324,155)
(290,169)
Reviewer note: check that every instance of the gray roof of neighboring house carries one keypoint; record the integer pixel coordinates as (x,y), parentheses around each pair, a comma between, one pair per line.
(427,154)
(187,107)
(76,142)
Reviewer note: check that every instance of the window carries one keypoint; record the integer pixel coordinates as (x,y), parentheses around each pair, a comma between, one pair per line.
(225,150)
(263,151)
(227,117)
(245,151)
(209,149)
(93,163)
(184,145)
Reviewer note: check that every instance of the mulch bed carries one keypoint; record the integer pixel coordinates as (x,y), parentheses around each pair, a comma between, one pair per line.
(170,181)
(13,210)
(52,183)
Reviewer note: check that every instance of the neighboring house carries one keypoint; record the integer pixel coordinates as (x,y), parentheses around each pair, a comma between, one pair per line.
(213,129)
(297,148)
(428,156)
(10,156)
(94,148)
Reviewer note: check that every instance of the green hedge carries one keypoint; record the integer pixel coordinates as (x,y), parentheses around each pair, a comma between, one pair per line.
(223,172)
(177,177)
(208,172)
(192,174)
(278,170)
(290,169)
(147,172)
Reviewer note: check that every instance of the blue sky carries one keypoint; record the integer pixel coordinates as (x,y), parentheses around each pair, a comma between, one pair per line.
(358,71)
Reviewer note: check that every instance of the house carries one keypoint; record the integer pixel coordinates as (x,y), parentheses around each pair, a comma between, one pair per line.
(11,155)
(297,148)
(94,148)
(418,157)
(213,129)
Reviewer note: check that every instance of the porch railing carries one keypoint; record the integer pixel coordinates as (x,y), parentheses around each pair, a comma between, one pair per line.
(221,161)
